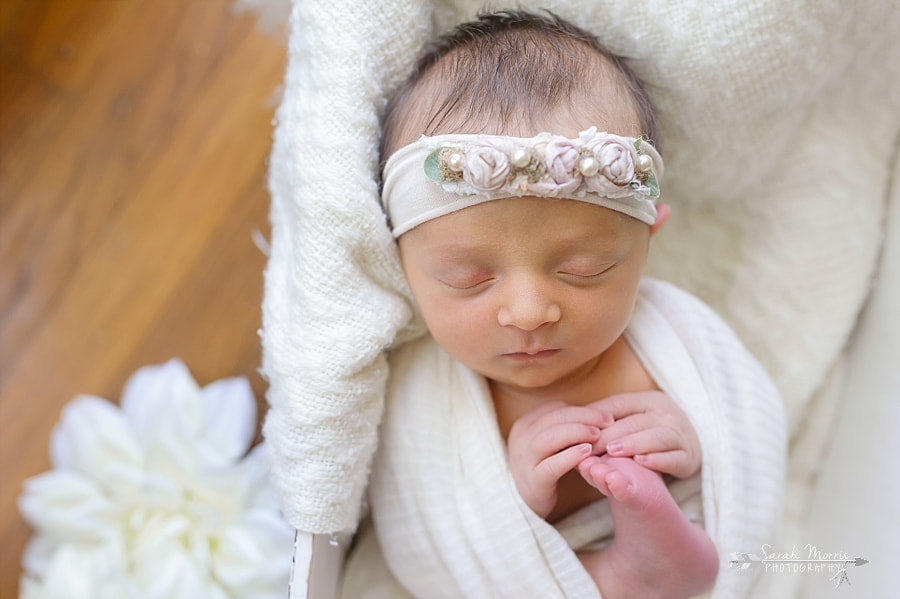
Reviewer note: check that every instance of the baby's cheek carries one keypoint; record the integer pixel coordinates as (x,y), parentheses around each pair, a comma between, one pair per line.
(459,332)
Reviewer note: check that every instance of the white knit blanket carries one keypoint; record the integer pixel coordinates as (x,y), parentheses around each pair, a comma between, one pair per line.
(451,523)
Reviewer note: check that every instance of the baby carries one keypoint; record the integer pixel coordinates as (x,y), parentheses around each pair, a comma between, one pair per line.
(524,251)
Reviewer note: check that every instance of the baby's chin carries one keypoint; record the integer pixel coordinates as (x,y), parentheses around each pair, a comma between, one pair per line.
(532,379)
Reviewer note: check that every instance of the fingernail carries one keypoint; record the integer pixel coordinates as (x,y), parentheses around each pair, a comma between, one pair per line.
(586,447)
(614,447)
(595,432)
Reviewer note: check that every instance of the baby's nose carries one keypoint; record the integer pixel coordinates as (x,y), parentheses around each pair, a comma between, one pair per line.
(528,307)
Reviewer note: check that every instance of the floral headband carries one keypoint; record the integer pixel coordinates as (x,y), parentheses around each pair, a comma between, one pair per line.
(620,173)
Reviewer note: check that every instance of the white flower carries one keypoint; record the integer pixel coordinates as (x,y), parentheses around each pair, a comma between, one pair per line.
(158,499)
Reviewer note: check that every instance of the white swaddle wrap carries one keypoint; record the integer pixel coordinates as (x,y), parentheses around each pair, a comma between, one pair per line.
(451,523)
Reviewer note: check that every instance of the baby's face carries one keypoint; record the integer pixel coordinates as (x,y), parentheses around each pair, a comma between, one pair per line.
(526,291)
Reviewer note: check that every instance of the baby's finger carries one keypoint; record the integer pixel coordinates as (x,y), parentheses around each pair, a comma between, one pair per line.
(574,415)
(630,425)
(626,404)
(650,440)
(556,438)
(550,470)
(532,416)
(677,463)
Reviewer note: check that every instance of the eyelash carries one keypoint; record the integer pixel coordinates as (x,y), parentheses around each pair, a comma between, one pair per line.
(587,277)
(578,278)
(467,287)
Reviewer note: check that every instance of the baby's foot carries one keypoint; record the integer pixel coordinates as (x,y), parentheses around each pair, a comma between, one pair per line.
(657,551)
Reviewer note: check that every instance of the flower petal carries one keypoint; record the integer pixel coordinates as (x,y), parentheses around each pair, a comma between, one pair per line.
(254,555)
(37,554)
(163,400)
(66,506)
(91,434)
(233,490)
(81,571)
(172,458)
(254,475)
(230,421)
(168,572)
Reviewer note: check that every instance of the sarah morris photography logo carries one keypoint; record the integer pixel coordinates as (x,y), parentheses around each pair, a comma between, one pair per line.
(810,560)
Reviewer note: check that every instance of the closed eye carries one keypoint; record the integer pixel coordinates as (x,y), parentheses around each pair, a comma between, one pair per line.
(465,285)
(586,275)
(465,279)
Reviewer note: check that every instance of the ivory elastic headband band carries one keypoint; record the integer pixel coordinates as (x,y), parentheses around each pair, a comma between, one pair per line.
(438,175)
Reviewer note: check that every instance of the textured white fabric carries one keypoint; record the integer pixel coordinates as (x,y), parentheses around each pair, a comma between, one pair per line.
(857,496)
(450,521)
(778,120)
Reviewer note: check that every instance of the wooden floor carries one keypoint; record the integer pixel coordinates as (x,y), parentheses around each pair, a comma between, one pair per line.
(133,144)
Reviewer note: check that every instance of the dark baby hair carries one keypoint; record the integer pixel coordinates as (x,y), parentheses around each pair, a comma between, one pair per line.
(512,67)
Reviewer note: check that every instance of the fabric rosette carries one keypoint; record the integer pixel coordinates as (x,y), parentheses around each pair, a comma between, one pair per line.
(158,498)
(486,166)
(615,172)
(546,165)
(616,158)
(561,157)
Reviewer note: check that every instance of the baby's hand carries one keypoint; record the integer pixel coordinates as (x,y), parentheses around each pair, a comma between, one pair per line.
(651,428)
(548,442)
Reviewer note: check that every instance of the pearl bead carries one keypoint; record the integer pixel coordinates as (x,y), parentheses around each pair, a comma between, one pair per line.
(455,161)
(588,166)
(644,162)
(520,158)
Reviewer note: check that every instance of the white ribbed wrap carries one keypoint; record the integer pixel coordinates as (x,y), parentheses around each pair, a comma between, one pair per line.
(451,523)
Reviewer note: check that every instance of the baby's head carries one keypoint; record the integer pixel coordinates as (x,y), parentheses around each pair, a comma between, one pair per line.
(522,189)
(517,73)
(541,108)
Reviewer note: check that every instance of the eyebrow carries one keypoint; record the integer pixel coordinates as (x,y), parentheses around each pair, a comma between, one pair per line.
(461,246)
(456,252)
(608,243)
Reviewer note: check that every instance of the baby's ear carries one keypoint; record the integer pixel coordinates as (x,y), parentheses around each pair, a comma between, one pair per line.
(663,212)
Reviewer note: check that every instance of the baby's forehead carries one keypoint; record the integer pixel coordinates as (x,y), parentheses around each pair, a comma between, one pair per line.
(523,225)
